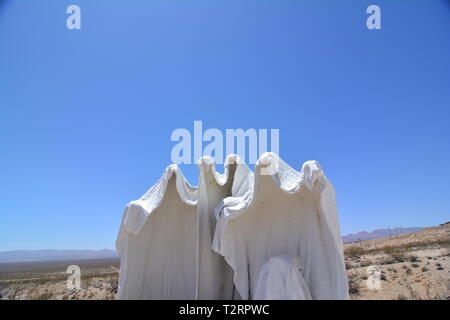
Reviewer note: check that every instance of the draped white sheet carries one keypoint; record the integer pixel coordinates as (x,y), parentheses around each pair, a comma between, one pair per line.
(157,241)
(215,277)
(165,240)
(285,213)
(172,247)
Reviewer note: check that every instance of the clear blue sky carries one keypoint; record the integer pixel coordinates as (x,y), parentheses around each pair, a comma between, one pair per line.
(86,115)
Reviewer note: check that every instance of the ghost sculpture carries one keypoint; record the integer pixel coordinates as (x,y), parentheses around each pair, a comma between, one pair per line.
(288,219)
(157,241)
(271,234)
(214,275)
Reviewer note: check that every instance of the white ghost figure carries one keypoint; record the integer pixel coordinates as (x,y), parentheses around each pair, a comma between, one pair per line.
(215,277)
(157,241)
(286,212)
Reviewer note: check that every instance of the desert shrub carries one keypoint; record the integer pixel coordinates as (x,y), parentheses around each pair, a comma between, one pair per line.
(388,249)
(415,265)
(353,284)
(366,263)
(354,251)
(443,242)
(439,268)
(388,260)
(413,258)
(397,253)
(347,265)
(114,284)
(44,296)
(424,269)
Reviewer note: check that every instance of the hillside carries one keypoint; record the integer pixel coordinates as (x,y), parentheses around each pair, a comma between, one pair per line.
(379,233)
(55,255)
(412,266)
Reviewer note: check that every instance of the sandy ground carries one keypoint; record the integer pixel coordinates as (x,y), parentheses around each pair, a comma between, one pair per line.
(98,282)
(411,266)
(104,288)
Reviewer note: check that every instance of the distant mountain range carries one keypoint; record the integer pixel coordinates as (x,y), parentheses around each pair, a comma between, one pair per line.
(379,233)
(65,255)
(55,255)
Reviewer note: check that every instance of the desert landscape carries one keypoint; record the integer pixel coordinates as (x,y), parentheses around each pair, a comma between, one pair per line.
(47,280)
(412,266)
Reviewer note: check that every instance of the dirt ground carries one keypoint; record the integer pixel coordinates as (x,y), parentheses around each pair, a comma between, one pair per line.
(412,266)
(48,281)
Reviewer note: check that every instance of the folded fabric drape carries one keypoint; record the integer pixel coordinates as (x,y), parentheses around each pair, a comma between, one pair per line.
(285,213)
(272,234)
